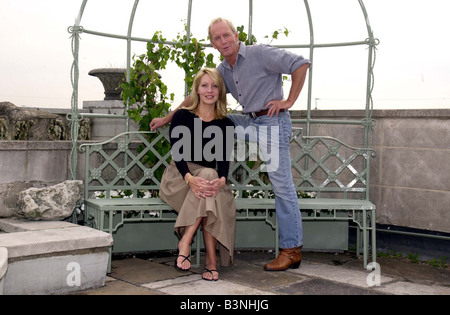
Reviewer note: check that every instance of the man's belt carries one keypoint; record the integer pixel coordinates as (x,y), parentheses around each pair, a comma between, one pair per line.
(263,112)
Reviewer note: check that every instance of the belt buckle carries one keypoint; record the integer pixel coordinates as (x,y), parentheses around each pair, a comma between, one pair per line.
(253,115)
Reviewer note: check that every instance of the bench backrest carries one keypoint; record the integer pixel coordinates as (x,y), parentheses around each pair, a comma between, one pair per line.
(131,162)
(323,166)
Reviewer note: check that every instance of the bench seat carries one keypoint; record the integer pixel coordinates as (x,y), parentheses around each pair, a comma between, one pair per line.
(156,204)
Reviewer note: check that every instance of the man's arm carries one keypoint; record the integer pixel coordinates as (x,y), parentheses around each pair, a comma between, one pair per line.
(161,122)
(298,80)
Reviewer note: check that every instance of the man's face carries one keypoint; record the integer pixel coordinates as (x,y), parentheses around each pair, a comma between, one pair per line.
(224,40)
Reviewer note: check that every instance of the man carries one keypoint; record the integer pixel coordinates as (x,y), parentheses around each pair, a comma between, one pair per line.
(253,75)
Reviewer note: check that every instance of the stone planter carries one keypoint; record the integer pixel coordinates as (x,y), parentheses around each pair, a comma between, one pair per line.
(111,79)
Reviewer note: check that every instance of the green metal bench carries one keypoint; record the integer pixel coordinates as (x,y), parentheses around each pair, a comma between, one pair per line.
(322,166)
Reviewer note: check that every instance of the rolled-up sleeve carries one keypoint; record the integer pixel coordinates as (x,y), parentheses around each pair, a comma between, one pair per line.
(280,60)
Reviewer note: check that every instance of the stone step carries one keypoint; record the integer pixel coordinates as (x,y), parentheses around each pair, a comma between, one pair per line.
(51,257)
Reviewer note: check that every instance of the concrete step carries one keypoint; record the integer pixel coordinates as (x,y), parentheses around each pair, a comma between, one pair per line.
(47,257)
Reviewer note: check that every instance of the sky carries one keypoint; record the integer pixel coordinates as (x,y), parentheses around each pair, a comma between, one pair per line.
(412,68)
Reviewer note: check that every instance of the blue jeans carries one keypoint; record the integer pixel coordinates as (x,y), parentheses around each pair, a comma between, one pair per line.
(273,135)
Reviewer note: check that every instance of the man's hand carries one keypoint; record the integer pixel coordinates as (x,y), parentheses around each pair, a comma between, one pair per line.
(157,123)
(161,122)
(276,106)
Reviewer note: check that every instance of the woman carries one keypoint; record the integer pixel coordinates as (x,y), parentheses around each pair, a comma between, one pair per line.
(194,184)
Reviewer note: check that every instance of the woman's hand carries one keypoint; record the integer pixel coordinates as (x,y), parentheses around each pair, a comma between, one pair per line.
(203,188)
(217,184)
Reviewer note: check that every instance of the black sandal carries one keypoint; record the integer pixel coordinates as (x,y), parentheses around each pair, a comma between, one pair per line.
(211,272)
(185,258)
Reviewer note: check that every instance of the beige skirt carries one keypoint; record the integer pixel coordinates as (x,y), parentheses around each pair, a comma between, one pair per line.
(220,210)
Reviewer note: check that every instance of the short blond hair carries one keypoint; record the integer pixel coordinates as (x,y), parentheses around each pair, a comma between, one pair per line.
(220,19)
(220,109)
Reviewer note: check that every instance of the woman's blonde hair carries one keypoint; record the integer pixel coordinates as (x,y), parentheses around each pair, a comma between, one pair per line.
(220,109)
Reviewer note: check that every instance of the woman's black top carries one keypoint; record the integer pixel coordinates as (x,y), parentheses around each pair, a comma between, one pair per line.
(209,144)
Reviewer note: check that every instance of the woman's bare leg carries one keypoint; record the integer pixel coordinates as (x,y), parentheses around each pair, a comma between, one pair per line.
(211,255)
(184,245)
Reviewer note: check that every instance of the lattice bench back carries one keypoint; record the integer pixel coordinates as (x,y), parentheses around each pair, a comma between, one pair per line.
(321,165)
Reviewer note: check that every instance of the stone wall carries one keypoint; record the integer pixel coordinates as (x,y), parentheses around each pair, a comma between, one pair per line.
(411,185)
(409,176)
(29,124)
(26,164)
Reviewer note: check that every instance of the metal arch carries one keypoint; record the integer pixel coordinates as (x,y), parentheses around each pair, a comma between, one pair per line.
(77,29)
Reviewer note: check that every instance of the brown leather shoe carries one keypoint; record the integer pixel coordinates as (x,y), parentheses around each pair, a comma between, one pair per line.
(288,258)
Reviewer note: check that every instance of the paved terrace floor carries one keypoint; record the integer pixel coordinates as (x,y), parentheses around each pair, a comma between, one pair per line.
(319,274)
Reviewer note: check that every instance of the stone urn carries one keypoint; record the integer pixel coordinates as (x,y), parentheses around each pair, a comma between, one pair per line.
(111,79)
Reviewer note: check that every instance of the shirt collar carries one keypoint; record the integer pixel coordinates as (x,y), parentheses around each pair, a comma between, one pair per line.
(242,52)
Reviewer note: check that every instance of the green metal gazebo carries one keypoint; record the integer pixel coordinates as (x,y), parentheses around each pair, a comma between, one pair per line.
(370,42)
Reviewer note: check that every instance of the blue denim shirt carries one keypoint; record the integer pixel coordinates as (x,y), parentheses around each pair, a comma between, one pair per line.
(256,79)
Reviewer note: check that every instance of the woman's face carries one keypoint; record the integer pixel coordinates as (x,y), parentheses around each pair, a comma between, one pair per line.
(208,91)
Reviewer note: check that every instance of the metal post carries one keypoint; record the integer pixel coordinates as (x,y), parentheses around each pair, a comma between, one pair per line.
(188,39)
(250,22)
(73,117)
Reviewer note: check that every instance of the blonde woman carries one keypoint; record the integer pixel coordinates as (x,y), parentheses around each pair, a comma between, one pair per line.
(195,183)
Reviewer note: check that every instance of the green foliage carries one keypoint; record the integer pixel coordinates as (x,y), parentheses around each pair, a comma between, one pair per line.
(146,93)
(438,263)
(191,57)
(243,36)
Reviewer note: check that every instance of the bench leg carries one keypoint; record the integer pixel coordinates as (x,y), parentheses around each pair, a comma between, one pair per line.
(365,239)
(369,236)
(358,241)
(110,215)
(109,260)
(374,237)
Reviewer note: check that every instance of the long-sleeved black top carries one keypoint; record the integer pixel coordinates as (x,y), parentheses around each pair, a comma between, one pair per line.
(209,144)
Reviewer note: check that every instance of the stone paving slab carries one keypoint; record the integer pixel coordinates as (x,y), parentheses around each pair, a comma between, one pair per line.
(118,287)
(139,271)
(194,285)
(337,274)
(409,288)
(319,274)
(324,287)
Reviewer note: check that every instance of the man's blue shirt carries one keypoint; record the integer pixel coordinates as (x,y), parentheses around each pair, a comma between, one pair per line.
(256,78)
